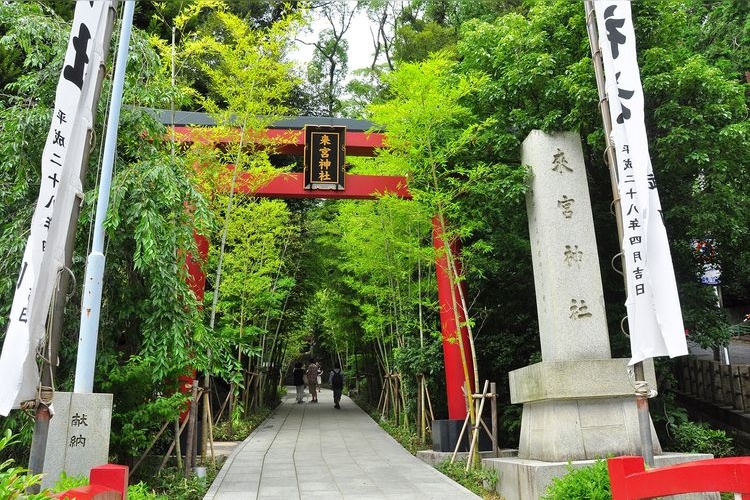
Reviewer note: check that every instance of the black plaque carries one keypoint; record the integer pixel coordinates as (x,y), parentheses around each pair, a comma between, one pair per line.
(325,155)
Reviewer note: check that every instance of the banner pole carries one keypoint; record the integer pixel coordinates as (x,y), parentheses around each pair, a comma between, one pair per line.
(92,292)
(641,398)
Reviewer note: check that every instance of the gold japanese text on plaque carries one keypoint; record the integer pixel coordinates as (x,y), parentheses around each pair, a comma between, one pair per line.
(325,154)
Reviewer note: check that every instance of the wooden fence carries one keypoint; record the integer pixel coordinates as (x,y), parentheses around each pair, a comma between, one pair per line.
(712,381)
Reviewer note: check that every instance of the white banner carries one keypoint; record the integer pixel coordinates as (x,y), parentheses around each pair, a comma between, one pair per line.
(60,189)
(654,315)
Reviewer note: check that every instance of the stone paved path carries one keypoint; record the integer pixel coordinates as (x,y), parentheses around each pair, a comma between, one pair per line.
(313,451)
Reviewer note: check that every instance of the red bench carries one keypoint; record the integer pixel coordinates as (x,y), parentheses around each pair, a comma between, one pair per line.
(630,481)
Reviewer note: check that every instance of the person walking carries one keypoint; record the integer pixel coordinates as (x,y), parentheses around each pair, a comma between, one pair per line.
(336,381)
(298,376)
(312,380)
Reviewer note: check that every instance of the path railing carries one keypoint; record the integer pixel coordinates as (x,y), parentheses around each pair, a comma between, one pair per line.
(630,481)
(712,381)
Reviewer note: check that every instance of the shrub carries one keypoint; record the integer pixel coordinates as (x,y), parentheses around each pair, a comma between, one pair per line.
(15,480)
(585,483)
(171,484)
(406,436)
(477,480)
(692,437)
(141,491)
(242,426)
(66,482)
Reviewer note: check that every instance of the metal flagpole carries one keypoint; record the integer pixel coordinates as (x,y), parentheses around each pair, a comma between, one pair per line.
(92,292)
(641,396)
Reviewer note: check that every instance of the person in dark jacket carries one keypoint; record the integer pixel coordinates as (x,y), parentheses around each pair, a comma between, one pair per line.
(298,374)
(336,380)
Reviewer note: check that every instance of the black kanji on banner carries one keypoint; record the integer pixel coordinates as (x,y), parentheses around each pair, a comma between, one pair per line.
(325,154)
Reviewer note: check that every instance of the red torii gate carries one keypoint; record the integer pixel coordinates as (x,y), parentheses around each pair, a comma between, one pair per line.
(289,136)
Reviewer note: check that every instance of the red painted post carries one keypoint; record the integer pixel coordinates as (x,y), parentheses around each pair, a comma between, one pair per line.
(112,476)
(619,470)
(106,482)
(196,276)
(90,492)
(197,282)
(454,369)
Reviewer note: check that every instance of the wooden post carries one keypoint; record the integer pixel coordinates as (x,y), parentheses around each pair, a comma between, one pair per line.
(745,385)
(189,442)
(204,424)
(175,445)
(429,402)
(460,437)
(493,413)
(694,376)
(727,391)
(475,431)
(700,391)
(737,401)
(715,393)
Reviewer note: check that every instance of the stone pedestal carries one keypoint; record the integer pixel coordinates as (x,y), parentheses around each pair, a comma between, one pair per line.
(578,410)
(78,435)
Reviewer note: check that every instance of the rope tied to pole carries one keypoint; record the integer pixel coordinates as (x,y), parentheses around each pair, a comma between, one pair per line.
(641,387)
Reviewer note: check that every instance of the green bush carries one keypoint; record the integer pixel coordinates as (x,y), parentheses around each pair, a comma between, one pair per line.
(479,481)
(241,426)
(171,484)
(406,436)
(67,482)
(141,491)
(698,437)
(586,483)
(140,411)
(15,480)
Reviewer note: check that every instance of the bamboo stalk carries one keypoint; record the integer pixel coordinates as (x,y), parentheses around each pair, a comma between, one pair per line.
(429,402)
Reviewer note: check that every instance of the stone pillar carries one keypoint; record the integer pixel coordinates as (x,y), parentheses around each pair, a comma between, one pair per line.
(78,435)
(569,297)
(578,402)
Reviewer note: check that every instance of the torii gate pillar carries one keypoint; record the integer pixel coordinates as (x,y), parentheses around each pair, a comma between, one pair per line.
(454,365)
